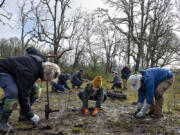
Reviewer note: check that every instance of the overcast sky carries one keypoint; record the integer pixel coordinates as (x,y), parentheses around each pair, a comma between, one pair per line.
(11,6)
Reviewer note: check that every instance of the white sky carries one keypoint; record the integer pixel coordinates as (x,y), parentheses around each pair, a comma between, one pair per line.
(11,6)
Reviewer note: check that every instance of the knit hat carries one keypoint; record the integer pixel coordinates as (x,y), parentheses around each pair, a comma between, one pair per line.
(68,76)
(81,70)
(97,82)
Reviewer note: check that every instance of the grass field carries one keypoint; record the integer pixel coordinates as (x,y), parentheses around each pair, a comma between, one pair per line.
(114,118)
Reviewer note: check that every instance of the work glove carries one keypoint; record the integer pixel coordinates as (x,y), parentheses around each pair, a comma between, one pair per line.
(86,111)
(95,112)
(35,118)
(143,110)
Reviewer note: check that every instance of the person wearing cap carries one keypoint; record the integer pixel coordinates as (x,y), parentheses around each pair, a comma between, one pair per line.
(77,78)
(125,73)
(17,76)
(93,91)
(151,83)
(61,85)
(116,81)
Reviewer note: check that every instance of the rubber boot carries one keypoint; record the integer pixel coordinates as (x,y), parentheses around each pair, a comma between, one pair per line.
(4,126)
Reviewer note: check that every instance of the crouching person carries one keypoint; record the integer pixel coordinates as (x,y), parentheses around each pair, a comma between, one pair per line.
(151,83)
(61,85)
(93,91)
(77,79)
(17,77)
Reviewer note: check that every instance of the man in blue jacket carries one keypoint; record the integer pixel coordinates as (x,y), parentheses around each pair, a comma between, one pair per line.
(17,76)
(61,85)
(151,83)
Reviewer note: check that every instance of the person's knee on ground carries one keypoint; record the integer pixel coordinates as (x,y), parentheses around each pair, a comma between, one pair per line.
(6,109)
(76,83)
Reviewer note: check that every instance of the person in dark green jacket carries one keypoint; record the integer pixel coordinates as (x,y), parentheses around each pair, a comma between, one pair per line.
(93,91)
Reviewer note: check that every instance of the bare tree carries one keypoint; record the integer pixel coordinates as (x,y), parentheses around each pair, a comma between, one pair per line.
(52,26)
(139,21)
(76,39)
(2,2)
(158,39)
(24,22)
(111,42)
(10,47)
(5,16)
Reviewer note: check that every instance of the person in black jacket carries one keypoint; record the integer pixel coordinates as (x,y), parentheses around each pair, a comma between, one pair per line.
(35,89)
(125,72)
(17,76)
(61,85)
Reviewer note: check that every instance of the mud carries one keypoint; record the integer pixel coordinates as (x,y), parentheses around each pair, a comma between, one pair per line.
(115,118)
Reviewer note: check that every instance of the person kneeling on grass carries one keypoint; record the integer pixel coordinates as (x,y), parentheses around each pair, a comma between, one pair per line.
(77,79)
(61,85)
(151,83)
(93,91)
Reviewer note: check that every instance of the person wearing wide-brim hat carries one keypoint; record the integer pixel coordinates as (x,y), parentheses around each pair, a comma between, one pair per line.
(93,91)
(151,83)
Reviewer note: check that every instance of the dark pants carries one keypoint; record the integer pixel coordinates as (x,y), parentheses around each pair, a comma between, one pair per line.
(117,84)
(58,87)
(10,88)
(91,97)
(157,105)
(32,97)
(76,83)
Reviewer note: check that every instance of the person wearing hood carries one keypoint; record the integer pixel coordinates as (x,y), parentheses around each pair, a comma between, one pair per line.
(61,85)
(93,91)
(116,80)
(33,51)
(35,89)
(17,76)
(151,84)
(77,79)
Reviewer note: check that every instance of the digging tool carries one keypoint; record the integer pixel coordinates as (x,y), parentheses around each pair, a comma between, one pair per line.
(48,110)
